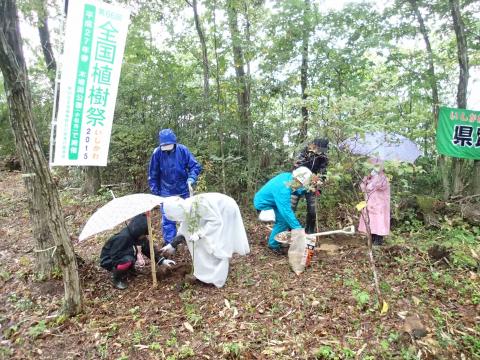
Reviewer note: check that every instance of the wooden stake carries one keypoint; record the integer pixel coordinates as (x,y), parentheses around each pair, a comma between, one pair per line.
(152,252)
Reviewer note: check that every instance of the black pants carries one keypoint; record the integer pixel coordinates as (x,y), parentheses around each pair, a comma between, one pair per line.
(377,239)
(120,249)
(311,219)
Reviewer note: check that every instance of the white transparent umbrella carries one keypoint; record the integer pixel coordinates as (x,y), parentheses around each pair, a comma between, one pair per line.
(117,211)
(383,146)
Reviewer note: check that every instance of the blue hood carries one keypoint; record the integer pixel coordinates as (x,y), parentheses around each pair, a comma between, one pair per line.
(167,137)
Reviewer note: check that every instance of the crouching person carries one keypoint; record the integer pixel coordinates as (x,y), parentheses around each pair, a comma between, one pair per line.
(121,251)
(213,227)
(276,195)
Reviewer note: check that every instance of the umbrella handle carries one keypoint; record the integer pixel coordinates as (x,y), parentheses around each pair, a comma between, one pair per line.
(152,251)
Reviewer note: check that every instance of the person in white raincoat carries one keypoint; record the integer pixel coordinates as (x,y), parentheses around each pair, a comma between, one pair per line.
(213,227)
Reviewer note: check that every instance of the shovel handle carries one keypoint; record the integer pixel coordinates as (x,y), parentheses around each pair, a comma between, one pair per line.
(350,230)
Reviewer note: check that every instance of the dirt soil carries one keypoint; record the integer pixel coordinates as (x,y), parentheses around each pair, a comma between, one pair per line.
(264,311)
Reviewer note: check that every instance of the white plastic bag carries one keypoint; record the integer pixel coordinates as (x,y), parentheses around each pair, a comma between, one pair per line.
(297,250)
(267,216)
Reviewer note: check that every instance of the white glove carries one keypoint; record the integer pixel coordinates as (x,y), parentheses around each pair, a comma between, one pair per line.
(194,237)
(190,188)
(168,250)
(168,262)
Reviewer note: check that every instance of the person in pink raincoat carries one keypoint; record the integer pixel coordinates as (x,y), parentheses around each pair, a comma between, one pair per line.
(377,195)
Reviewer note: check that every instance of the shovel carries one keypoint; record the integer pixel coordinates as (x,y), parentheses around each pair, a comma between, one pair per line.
(284,236)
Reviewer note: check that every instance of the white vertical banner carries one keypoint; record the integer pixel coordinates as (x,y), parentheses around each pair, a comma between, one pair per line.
(93,50)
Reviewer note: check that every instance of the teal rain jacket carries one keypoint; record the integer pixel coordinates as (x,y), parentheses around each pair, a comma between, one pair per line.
(275,194)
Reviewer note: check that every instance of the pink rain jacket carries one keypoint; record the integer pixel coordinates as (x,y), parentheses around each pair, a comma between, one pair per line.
(377,195)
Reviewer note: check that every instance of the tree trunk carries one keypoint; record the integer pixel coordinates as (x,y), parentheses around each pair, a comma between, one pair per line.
(92,181)
(462,55)
(304,70)
(248,53)
(217,61)
(476,177)
(243,96)
(434,87)
(203,44)
(46,43)
(46,262)
(44,203)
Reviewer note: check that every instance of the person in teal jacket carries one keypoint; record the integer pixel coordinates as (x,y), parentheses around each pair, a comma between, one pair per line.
(275,195)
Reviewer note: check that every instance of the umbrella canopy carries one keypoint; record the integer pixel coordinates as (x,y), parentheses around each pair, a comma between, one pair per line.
(384,146)
(117,211)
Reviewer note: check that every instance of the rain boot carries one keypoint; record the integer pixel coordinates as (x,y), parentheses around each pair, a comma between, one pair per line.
(118,279)
(377,240)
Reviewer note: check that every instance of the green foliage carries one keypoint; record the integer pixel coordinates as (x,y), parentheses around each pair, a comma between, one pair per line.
(172,341)
(325,352)
(473,343)
(232,350)
(5,352)
(361,297)
(193,317)
(38,329)
(5,275)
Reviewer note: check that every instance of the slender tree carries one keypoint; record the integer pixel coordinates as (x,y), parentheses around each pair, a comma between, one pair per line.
(243,95)
(45,42)
(459,28)
(44,203)
(203,44)
(304,69)
(432,79)
(243,89)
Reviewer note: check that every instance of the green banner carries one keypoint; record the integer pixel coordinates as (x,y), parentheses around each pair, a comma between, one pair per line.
(85,45)
(458,133)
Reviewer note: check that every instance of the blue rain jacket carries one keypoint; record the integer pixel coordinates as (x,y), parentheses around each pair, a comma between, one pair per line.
(169,170)
(275,194)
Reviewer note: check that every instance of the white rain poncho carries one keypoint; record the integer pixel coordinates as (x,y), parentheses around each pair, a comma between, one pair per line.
(217,221)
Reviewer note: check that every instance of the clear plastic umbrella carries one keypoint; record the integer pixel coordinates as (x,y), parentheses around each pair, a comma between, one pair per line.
(383,146)
(117,211)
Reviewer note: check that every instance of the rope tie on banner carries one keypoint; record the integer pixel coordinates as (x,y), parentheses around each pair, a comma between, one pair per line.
(47,249)
(28,175)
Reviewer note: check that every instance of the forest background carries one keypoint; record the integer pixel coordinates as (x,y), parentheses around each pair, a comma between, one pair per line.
(245,83)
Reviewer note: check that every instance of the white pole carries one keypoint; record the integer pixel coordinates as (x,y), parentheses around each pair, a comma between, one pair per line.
(53,129)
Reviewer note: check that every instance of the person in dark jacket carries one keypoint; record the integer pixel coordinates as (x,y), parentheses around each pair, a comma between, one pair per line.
(173,171)
(314,157)
(119,253)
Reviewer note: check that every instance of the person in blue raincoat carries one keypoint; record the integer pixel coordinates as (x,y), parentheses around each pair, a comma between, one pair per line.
(276,194)
(173,171)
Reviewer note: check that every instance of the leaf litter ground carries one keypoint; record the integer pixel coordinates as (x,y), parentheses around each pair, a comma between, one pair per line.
(265,311)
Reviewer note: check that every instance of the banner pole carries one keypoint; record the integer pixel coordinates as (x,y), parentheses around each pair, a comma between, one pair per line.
(56,91)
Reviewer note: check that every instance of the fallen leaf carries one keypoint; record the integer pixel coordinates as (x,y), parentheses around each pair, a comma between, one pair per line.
(384,308)
(402,314)
(416,300)
(359,352)
(474,254)
(272,350)
(227,303)
(361,205)
(188,326)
